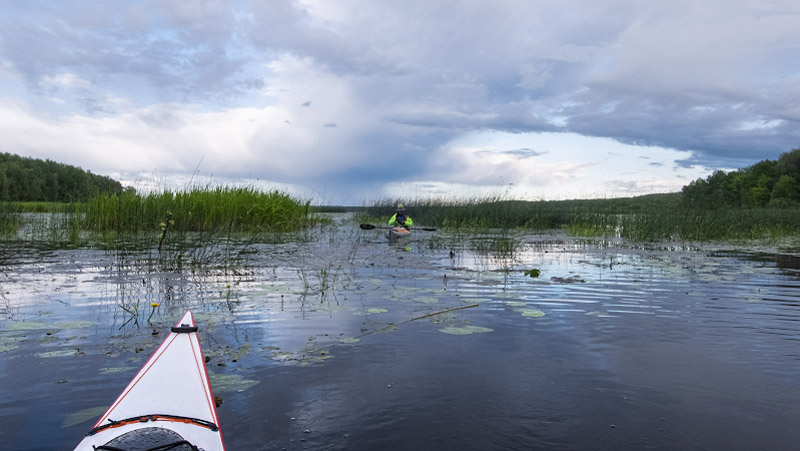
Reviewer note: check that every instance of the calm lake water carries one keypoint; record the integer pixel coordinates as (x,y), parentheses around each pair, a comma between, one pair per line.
(347,341)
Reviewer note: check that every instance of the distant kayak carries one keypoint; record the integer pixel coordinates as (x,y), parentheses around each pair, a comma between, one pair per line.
(398,232)
(168,405)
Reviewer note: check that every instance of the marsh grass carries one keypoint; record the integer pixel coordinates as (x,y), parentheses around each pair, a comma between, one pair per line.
(60,227)
(222,208)
(654,217)
(708,225)
(213,227)
(9,220)
(204,227)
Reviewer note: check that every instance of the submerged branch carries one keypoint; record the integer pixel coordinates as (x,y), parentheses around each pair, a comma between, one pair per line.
(419,317)
(428,315)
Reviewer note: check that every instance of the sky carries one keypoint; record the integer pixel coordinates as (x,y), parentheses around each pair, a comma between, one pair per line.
(355,101)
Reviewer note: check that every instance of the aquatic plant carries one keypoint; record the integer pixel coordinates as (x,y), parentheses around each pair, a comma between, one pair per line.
(465,330)
(533,273)
(654,217)
(209,209)
(532,313)
(9,220)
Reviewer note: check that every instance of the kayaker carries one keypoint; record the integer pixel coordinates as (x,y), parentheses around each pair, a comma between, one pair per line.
(400,218)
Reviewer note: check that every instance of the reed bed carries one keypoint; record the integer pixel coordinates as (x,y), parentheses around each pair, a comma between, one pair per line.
(9,219)
(657,217)
(198,210)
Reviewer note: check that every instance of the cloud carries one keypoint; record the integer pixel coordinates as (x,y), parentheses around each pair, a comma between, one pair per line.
(521,153)
(66,80)
(397,88)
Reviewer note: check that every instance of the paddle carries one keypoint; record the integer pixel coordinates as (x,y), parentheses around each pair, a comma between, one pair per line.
(370,227)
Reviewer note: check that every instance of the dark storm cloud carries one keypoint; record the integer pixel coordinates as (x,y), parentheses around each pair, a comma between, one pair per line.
(719,80)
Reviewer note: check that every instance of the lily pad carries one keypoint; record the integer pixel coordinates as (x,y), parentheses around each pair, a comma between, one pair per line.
(83,416)
(426,299)
(465,330)
(241,352)
(113,370)
(533,273)
(8,343)
(5,347)
(532,313)
(349,340)
(310,360)
(377,310)
(230,383)
(58,353)
(25,325)
(280,356)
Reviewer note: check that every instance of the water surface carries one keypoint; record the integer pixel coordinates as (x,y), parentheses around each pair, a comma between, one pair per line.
(347,341)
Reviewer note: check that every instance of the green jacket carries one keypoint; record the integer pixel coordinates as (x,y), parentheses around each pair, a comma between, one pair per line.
(403,220)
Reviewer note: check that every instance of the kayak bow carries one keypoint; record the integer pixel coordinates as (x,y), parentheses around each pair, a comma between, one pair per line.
(167,405)
(397,232)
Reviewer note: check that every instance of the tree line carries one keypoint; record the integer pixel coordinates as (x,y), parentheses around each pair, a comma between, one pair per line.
(25,179)
(768,183)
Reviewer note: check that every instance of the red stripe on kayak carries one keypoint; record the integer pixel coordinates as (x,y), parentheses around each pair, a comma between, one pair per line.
(153,358)
(212,405)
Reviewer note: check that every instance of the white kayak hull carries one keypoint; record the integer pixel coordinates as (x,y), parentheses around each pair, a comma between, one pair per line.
(171,392)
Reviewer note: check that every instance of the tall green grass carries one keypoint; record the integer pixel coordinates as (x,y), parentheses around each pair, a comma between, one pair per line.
(710,225)
(9,219)
(496,212)
(655,217)
(198,210)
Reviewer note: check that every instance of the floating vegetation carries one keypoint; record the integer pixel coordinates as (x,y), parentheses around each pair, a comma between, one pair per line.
(25,325)
(465,330)
(230,383)
(280,356)
(309,360)
(6,347)
(532,313)
(426,299)
(533,273)
(83,416)
(113,370)
(376,310)
(412,294)
(59,353)
(349,340)
(237,354)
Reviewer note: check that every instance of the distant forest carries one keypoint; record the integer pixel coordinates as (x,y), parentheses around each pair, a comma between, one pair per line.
(32,180)
(765,184)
